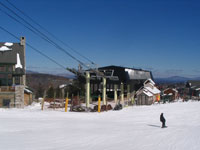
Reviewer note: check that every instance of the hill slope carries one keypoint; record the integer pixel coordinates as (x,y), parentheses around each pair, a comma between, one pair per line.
(36,80)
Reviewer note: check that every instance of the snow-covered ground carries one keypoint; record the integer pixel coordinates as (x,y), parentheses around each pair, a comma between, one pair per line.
(133,128)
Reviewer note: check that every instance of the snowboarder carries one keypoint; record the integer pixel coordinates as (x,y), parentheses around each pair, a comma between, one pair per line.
(162,119)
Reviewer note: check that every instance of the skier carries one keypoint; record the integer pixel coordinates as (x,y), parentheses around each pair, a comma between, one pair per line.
(162,119)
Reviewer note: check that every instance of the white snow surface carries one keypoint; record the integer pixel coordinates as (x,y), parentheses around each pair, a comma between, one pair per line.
(4,48)
(8,44)
(132,128)
(18,65)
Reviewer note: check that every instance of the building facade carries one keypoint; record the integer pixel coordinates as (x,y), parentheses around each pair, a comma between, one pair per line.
(132,79)
(12,73)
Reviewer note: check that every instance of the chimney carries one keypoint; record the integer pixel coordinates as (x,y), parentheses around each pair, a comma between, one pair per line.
(23,43)
(22,40)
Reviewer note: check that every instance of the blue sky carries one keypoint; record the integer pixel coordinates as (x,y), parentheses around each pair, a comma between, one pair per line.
(157,35)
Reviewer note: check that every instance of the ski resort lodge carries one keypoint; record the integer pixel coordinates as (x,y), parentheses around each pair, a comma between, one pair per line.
(13,90)
(132,79)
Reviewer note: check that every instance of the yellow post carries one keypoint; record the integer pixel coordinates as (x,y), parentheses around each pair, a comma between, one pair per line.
(66,104)
(99,104)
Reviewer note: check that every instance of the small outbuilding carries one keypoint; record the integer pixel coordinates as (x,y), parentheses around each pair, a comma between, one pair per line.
(172,92)
(148,94)
(144,97)
(28,96)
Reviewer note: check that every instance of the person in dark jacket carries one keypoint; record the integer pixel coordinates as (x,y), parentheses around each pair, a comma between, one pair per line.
(162,119)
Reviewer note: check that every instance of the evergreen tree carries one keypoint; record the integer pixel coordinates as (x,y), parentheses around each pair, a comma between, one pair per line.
(58,92)
(40,91)
(50,92)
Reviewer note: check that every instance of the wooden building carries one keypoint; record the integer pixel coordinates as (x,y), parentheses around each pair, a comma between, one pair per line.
(28,96)
(172,92)
(144,97)
(148,94)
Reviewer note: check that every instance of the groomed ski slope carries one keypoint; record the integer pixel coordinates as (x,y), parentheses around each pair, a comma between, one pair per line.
(133,128)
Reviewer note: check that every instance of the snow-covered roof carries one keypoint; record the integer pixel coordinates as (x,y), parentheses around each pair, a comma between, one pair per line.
(18,65)
(4,48)
(149,81)
(153,90)
(149,84)
(8,55)
(62,86)
(146,92)
(8,44)
(175,90)
(27,90)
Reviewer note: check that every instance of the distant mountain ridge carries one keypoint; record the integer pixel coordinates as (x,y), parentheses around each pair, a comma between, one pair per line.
(66,75)
(174,79)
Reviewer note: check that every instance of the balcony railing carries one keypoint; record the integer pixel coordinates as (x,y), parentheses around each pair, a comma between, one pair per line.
(7,88)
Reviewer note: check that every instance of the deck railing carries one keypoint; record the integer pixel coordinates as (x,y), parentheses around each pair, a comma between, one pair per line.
(7,88)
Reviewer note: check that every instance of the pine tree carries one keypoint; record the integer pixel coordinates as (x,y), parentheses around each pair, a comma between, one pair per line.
(40,91)
(50,92)
(58,92)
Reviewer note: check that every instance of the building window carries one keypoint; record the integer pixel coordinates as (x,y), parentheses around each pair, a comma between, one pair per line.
(6,79)
(6,102)
(2,69)
(17,80)
(9,76)
(2,80)
(10,80)
(2,76)
(9,68)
